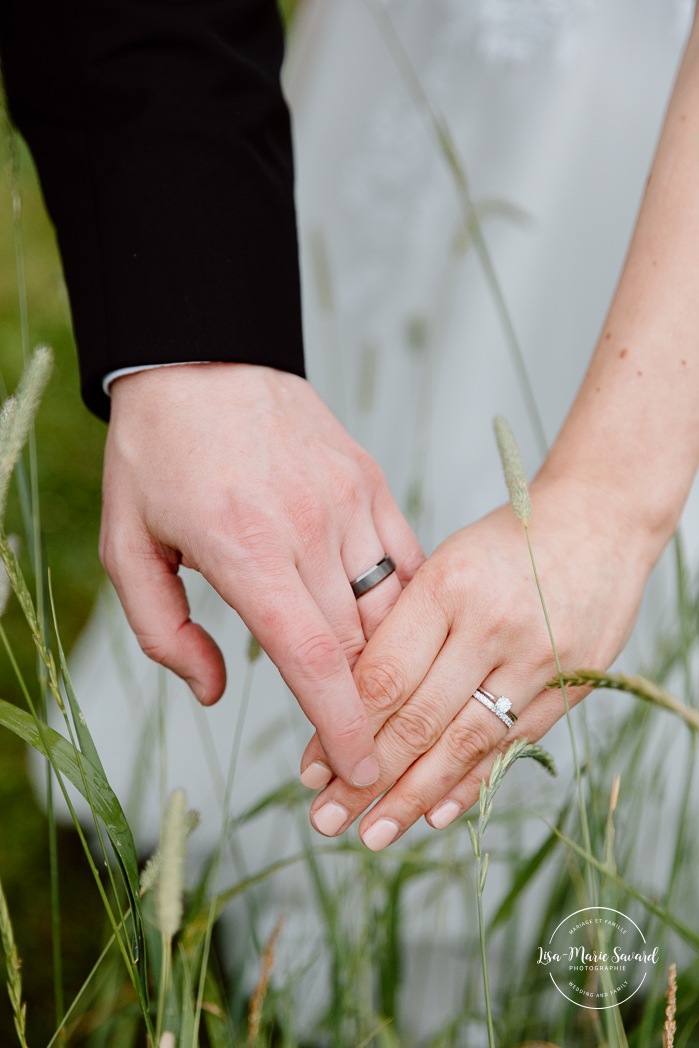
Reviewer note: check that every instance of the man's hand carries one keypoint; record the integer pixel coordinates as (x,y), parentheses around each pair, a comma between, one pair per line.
(242,473)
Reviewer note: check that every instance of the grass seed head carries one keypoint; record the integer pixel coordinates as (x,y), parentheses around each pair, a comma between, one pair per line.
(5,583)
(258,998)
(515,477)
(670,1027)
(13,965)
(18,412)
(170,881)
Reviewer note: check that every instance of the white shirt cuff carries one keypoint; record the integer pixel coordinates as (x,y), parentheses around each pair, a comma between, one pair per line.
(112,375)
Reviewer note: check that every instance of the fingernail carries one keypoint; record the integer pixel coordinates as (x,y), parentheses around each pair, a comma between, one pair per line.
(198,689)
(316,775)
(444,815)
(330,818)
(366,773)
(380,834)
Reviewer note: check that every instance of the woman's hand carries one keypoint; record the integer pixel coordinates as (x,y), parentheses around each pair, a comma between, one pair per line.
(472,617)
(604,505)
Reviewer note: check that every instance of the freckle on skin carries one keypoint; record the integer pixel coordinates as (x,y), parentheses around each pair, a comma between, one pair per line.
(598,389)
(655,261)
(684,363)
(639,373)
(608,336)
(623,353)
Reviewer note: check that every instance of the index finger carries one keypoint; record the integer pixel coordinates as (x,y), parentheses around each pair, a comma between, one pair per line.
(394,663)
(283,616)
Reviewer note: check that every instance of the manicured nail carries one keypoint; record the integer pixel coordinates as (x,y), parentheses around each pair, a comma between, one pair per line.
(330,818)
(444,814)
(366,773)
(316,775)
(380,834)
(198,689)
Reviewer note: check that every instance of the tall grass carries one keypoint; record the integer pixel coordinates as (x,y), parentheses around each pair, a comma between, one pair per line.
(164,950)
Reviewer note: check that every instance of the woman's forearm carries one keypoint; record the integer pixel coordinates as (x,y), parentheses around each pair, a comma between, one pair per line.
(633,431)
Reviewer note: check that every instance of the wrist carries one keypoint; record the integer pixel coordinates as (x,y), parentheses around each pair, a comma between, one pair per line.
(112,376)
(623,496)
(178,382)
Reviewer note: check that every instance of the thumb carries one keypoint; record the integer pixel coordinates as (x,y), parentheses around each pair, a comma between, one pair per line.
(156,606)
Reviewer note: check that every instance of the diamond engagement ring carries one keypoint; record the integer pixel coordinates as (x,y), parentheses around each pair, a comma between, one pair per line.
(502,707)
(368,579)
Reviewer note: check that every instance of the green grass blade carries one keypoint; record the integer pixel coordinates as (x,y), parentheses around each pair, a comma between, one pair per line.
(78,770)
(686,933)
(82,731)
(634,685)
(524,875)
(289,795)
(89,751)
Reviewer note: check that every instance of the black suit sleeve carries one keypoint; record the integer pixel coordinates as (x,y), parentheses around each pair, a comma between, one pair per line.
(163,146)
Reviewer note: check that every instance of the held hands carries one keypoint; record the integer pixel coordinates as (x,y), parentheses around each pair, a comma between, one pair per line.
(472,617)
(242,473)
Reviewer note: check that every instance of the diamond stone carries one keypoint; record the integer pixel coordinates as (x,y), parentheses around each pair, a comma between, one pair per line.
(503,705)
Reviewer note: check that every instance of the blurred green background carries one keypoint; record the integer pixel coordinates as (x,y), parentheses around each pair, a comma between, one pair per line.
(70,443)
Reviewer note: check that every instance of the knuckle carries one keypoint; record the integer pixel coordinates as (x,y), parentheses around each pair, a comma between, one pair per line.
(539,660)
(412,561)
(308,507)
(413,729)
(111,539)
(434,588)
(458,585)
(349,486)
(318,655)
(352,646)
(371,473)
(248,526)
(382,686)
(467,744)
(567,644)
(412,801)
(107,557)
(309,516)
(348,730)
(117,551)
(154,646)
(445,574)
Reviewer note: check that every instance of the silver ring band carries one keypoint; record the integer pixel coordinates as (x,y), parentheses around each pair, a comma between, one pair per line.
(502,707)
(368,579)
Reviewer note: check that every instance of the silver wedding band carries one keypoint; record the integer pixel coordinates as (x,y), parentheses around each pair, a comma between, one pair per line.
(368,579)
(502,707)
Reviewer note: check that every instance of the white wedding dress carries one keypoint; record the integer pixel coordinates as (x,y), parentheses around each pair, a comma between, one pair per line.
(555,107)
